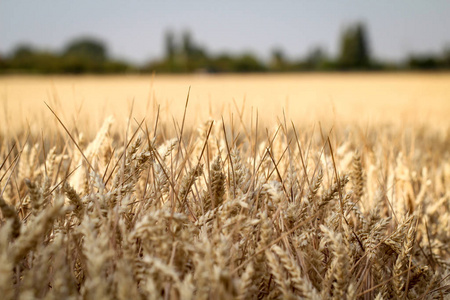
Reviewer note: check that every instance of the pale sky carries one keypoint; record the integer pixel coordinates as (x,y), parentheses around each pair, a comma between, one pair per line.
(134,29)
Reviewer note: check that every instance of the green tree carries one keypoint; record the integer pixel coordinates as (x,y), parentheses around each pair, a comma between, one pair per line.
(170,46)
(194,56)
(3,63)
(446,57)
(170,51)
(423,62)
(221,63)
(25,58)
(187,51)
(188,45)
(23,52)
(248,62)
(88,49)
(278,61)
(85,55)
(316,59)
(354,48)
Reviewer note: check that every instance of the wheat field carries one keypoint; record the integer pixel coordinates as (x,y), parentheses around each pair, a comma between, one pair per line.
(329,186)
(364,99)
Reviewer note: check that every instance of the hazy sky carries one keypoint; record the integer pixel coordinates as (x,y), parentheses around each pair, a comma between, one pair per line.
(134,30)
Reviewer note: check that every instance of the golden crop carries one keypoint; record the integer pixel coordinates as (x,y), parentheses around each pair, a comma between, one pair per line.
(343,195)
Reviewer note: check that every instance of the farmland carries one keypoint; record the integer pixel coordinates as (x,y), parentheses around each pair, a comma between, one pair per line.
(365,99)
(262,186)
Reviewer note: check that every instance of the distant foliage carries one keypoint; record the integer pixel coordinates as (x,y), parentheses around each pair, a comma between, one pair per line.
(87,49)
(183,54)
(354,48)
(86,55)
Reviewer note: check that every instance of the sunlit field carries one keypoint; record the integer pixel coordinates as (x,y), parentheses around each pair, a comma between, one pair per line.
(321,186)
(408,99)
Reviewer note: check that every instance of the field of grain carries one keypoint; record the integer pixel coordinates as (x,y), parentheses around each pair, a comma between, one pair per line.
(405,99)
(329,186)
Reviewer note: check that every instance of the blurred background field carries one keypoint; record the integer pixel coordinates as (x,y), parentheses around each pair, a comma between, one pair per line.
(333,99)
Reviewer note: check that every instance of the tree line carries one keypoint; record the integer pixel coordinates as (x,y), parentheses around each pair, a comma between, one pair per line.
(185,55)
(85,55)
